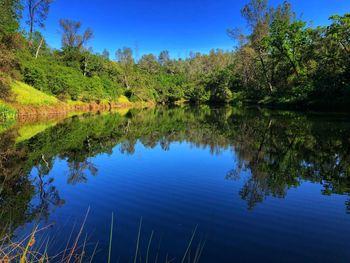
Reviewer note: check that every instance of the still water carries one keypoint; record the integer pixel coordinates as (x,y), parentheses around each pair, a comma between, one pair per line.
(225,185)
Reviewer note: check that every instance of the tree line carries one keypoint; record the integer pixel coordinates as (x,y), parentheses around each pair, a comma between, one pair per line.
(281,61)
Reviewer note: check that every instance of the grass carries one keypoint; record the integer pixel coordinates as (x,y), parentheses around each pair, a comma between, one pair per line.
(6,124)
(29,249)
(123,99)
(6,111)
(27,95)
(74,102)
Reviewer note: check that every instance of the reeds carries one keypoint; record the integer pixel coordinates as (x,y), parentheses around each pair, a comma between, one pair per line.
(30,250)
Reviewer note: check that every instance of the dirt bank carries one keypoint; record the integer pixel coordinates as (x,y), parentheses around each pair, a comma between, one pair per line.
(24,111)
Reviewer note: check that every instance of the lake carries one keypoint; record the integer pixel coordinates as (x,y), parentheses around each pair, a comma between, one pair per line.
(186,184)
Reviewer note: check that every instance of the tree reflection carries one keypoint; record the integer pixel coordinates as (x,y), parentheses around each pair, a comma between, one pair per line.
(16,191)
(48,194)
(274,151)
(77,171)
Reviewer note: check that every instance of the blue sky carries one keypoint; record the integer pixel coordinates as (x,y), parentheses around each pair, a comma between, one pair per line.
(179,26)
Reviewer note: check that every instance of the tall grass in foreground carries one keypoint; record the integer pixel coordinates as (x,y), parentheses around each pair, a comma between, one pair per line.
(29,250)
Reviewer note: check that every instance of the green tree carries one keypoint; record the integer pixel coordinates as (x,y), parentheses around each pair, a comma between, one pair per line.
(149,63)
(125,58)
(257,13)
(10,15)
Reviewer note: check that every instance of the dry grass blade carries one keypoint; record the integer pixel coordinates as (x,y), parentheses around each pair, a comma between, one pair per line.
(78,237)
(138,241)
(110,239)
(149,246)
(189,244)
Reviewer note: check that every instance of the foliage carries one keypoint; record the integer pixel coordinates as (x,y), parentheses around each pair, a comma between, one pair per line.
(5,89)
(10,15)
(6,112)
(285,62)
(281,61)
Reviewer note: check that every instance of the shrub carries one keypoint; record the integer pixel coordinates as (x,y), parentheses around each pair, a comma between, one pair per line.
(5,88)
(35,77)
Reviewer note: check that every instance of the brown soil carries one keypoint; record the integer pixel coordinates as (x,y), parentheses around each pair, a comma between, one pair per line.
(32,112)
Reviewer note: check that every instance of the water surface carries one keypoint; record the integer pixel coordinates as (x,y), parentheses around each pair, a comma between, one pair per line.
(252,185)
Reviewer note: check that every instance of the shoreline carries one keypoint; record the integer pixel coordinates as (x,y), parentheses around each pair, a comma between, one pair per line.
(34,112)
(63,109)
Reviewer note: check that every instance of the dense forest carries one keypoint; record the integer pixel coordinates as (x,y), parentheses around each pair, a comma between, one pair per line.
(281,61)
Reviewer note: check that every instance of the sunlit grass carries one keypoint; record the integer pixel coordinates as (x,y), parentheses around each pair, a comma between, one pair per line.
(27,95)
(123,99)
(74,102)
(121,111)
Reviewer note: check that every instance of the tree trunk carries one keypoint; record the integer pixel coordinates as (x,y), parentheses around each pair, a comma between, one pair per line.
(39,47)
(265,72)
(126,81)
(31,33)
(31,22)
(85,66)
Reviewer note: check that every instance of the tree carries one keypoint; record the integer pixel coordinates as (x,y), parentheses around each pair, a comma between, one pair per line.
(149,63)
(125,58)
(71,38)
(287,38)
(105,54)
(219,86)
(332,53)
(10,15)
(340,31)
(38,43)
(258,14)
(164,57)
(38,11)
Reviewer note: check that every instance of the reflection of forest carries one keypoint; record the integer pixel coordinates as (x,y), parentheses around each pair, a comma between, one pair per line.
(278,150)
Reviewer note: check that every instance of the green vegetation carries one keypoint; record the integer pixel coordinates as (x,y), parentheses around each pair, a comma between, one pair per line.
(27,95)
(6,112)
(282,62)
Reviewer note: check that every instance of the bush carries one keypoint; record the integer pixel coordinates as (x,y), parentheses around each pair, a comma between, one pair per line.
(221,94)
(5,88)
(197,94)
(35,77)
(13,41)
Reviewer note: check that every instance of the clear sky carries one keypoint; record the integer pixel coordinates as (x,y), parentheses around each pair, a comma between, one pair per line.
(179,26)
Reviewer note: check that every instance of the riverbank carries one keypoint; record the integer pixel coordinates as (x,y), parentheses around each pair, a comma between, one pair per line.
(28,102)
(320,105)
